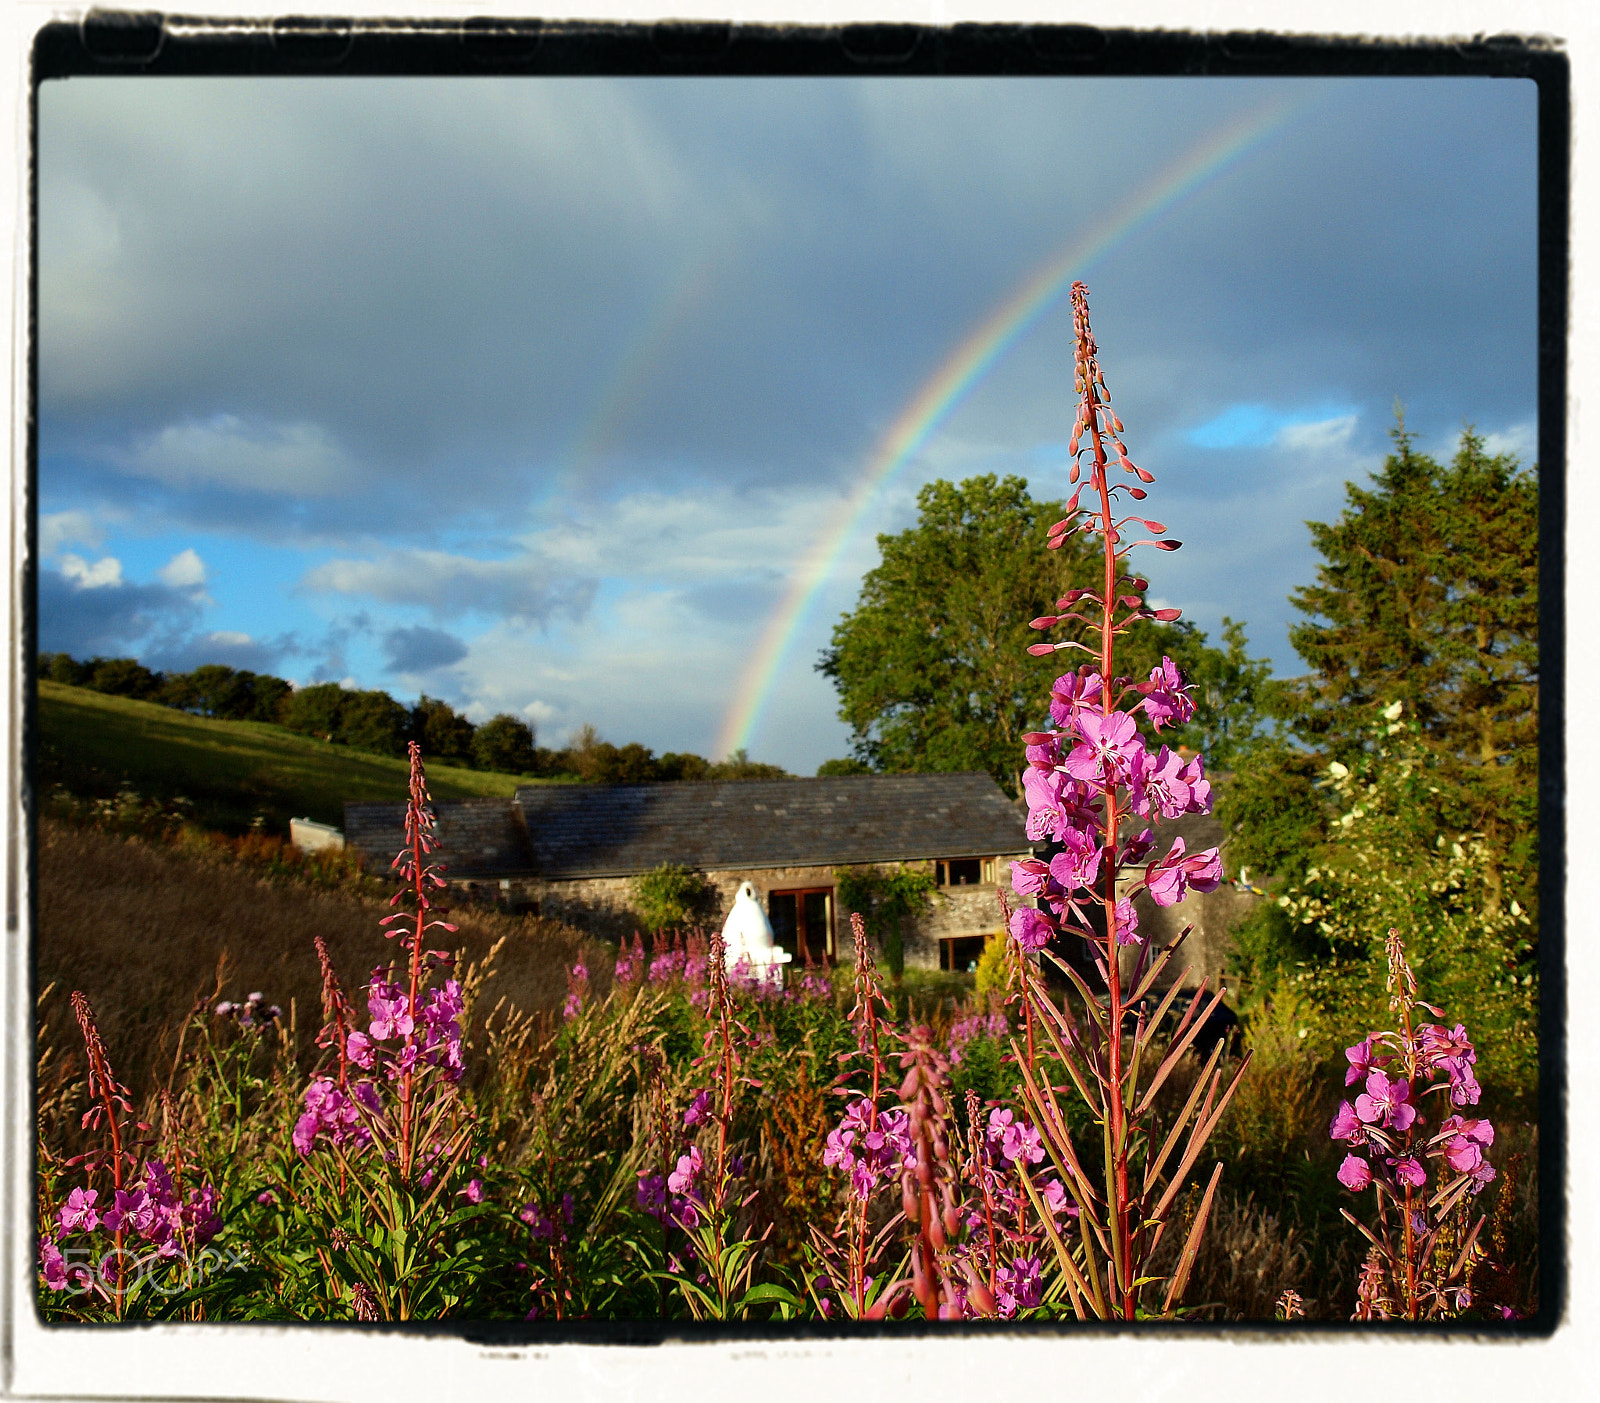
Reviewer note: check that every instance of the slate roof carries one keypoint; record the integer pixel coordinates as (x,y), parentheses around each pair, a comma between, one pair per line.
(569,831)
(613,830)
(477,837)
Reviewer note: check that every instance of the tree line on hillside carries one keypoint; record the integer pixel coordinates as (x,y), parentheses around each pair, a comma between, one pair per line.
(375,722)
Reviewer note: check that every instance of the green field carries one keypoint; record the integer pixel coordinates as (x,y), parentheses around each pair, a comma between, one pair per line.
(230,771)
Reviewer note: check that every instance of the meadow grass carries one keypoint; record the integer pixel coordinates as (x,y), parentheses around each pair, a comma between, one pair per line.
(231,772)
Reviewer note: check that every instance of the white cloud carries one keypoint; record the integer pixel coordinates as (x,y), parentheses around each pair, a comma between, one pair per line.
(522,588)
(300,459)
(76,528)
(105,572)
(229,639)
(1319,435)
(1519,440)
(184,571)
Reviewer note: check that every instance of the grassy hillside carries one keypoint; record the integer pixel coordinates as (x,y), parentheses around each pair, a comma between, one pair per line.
(229,771)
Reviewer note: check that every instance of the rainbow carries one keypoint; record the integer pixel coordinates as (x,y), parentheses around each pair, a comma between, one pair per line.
(960,371)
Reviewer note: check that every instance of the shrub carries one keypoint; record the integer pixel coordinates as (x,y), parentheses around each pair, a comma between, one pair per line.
(671,895)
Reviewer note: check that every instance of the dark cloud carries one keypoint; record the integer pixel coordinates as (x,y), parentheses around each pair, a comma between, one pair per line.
(416,650)
(112,619)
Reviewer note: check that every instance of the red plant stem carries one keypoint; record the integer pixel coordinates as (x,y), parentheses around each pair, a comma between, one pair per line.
(1407,1236)
(1118,1127)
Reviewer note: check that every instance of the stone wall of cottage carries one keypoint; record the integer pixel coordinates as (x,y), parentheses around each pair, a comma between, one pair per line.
(603,906)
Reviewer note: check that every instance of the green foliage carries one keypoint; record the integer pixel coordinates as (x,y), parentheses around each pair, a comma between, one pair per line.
(504,743)
(847,766)
(444,735)
(1429,596)
(888,899)
(369,721)
(992,979)
(932,666)
(1387,864)
(1272,811)
(227,773)
(671,895)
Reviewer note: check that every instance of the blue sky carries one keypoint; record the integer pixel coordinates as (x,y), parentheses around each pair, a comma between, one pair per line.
(533,394)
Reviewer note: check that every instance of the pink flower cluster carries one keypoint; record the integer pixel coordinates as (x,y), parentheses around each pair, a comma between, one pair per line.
(154,1211)
(389,1007)
(336,1114)
(870,1149)
(1383,1116)
(974,1025)
(1094,752)
(548,1224)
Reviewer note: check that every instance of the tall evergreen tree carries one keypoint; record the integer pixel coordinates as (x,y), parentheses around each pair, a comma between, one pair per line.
(1428,595)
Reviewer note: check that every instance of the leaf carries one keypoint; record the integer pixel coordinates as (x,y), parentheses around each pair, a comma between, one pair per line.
(1191,1247)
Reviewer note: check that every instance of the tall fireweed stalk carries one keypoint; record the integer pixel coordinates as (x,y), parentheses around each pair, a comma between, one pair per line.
(1097,792)
(127,1240)
(1423,1246)
(384,1141)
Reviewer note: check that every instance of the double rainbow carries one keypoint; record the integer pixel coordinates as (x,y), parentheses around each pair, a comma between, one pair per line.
(961,370)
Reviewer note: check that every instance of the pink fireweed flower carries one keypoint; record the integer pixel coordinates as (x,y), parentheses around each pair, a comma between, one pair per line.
(1167,701)
(1386,1101)
(1464,1088)
(359,1049)
(1170,879)
(1362,1061)
(1436,1045)
(1030,877)
(1071,693)
(1408,1170)
(1021,1142)
(54,1268)
(132,1209)
(79,1211)
(1109,746)
(1465,1143)
(1156,785)
(1019,1286)
(1347,1125)
(682,1179)
(473,1193)
(1031,929)
(1137,849)
(1055,801)
(699,1109)
(1355,1173)
(1482,1176)
(1127,922)
(387,1003)
(1194,775)
(1079,863)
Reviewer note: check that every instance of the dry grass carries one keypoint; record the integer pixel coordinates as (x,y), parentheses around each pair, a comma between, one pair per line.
(142,927)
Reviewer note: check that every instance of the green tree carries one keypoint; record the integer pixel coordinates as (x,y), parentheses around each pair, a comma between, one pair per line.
(441,731)
(932,666)
(504,743)
(1428,595)
(739,765)
(850,765)
(373,721)
(671,895)
(125,677)
(314,710)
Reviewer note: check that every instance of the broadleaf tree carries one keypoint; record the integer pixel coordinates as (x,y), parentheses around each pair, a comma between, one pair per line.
(932,666)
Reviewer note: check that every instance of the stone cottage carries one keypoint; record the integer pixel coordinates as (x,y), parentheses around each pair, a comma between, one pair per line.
(573,852)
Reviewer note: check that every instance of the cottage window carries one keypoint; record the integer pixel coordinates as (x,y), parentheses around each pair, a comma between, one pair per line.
(961,952)
(802,923)
(960,871)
